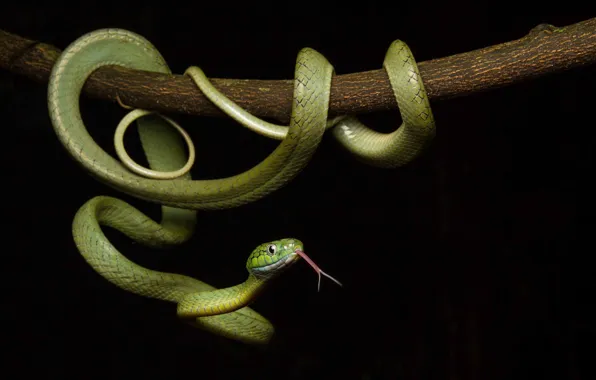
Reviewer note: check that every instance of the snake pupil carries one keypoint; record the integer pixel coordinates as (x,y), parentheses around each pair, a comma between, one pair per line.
(271,249)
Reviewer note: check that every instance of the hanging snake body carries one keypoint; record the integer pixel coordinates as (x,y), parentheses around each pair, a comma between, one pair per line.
(221,311)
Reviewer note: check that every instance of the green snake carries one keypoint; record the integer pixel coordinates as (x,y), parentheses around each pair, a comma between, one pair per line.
(222,311)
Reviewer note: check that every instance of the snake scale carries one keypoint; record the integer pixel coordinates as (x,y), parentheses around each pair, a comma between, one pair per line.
(221,311)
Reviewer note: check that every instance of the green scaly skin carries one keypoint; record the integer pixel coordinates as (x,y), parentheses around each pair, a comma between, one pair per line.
(221,311)
(398,148)
(123,48)
(386,150)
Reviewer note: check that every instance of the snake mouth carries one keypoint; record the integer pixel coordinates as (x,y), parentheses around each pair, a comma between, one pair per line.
(279,264)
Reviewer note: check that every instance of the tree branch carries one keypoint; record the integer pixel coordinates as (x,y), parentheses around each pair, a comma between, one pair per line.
(546,49)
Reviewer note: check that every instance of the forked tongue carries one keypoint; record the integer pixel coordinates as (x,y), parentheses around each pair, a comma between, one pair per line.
(317,269)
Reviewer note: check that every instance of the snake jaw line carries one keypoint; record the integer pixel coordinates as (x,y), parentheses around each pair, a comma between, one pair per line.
(272,270)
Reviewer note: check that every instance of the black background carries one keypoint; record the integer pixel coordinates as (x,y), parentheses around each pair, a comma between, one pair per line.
(474,262)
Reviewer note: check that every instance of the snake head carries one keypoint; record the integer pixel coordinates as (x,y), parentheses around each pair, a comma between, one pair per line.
(270,259)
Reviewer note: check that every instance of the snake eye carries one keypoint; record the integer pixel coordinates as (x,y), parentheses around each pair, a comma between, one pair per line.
(272,249)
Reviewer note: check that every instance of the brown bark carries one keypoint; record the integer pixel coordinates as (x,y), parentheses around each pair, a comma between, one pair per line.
(546,49)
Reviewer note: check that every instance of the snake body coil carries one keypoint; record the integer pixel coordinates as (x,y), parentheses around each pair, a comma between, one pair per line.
(222,311)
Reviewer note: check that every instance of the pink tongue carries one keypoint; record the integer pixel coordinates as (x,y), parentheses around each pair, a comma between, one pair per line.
(316,268)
